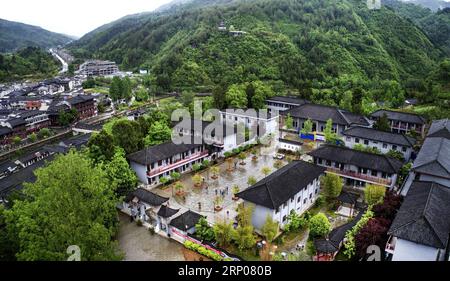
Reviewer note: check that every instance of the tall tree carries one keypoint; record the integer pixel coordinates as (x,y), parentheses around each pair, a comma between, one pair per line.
(270,229)
(159,133)
(332,186)
(223,232)
(319,225)
(101,147)
(236,97)
(383,123)
(71,203)
(120,174)
(127,134)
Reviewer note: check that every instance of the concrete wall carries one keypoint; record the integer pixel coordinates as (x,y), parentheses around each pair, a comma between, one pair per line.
(410,251)
(383,147)
(140,170)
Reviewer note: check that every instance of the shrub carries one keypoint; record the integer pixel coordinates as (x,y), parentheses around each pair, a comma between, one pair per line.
(319,225)
(374,194)
(349,244)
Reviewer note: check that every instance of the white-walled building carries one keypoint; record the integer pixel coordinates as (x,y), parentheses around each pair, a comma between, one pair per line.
(402,122)
(356,167)
(153,163)
(294,187)
(421,229)
(280,103)
(383,141)
(260,122)
(143,205)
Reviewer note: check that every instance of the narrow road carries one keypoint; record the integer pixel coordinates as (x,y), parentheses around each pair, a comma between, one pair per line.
(65,65)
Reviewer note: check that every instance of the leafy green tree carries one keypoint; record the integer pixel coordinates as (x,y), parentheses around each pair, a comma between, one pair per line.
(244,238)
(127,134)
(71,203)
(159,133)
(203,230)
(142,94)
(383,123)
(16,140)
(307,127)
(289,122)
(261,92)
(66,118)
(319,226)
(396,154)
(120,174)
(115,90)
(236,97)
(101,147)
(223,232)
(330,135)
(332,185)
(270,229)
(244,216)
(33,137)
(374,194)
(251,180)
(346,101)
(266,171)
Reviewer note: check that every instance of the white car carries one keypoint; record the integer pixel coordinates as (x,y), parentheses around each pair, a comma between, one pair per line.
(279,156)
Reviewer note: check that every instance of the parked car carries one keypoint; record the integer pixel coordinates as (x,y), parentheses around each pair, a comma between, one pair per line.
(279,156)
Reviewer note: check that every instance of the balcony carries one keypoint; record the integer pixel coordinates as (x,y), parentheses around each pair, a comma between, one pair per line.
(177,163)
(390,245)
(359,176)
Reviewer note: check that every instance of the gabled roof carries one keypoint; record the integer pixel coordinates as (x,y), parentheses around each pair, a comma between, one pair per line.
(424,215)
(399,116)
(288,99)
(276,189)
(166,212)
(323,113)
(147,197)
(185,221)
(381,136)
(160,152)
(434,158)
(439,128)
(358,158)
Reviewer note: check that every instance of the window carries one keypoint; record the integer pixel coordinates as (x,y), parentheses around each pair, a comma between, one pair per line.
(277,210)
(385,145)
(366,142)
(404,148)
(310,196)
(319,161)
(299,199)
(348,138)
(304,201)
(284,205)
(374,173)
(394,147)
(284,218)
(328,163)
(317,191)
(357,140)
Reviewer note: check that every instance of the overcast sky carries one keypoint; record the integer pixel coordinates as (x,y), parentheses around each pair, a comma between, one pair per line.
(74,17)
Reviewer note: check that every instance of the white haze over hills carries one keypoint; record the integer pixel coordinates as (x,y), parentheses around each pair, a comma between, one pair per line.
(74,18)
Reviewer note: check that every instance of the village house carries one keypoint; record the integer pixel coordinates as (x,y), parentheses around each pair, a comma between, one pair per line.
(222,139)
(143,205)
(320,114)
(164,217)
(155,162)
(358,168)
(383,141)
(421,229)
(294,187)
(402,122)
(259,122)
(433,161)
(280,103)
(183,225)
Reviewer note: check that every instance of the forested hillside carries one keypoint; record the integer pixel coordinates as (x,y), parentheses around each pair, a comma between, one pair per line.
(15,36)
(31,62)
(332,52)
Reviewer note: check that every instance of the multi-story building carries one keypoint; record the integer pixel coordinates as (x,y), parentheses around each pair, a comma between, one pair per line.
(156,162)
(402,122)
(294,187)
(383,141)
(35,120)
(84,105)
(98,68)
(319,115)
(280,103)
(421,228)
(356,167)
(259,122)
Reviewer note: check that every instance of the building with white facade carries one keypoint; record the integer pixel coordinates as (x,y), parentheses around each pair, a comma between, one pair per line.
(98,68)
(402,122)
(356,167)
(143,205)
(294,187)
(421,229)
(155,162)
(260,122)
(383,141)
(280,103)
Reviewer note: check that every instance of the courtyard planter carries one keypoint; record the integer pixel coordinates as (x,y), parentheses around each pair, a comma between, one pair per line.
(255,158)
(235,198)
(218,208)
(180,193)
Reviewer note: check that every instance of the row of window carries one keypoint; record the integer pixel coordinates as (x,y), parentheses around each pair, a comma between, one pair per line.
(385,145)
(341,166)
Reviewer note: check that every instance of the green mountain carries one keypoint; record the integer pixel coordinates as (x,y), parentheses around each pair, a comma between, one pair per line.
(27,63)
(15,36)
(433,5)
(323,42)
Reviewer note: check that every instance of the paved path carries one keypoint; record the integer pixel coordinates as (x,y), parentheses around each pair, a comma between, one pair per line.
(139,245)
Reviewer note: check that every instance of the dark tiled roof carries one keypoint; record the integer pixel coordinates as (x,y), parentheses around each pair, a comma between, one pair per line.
(15,122)
(424,215)
(80,99)
(323,113)
(186,221)
(434,158)
(358,158)
(276,189)
(399,116)
(347,197)
(5,131)
(440,128)
(325,246)
(160,152)
(166,212)
(381,136)
(147,196)
(288,99)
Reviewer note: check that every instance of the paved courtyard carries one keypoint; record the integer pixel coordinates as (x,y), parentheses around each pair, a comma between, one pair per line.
(139,245)
(201,199)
